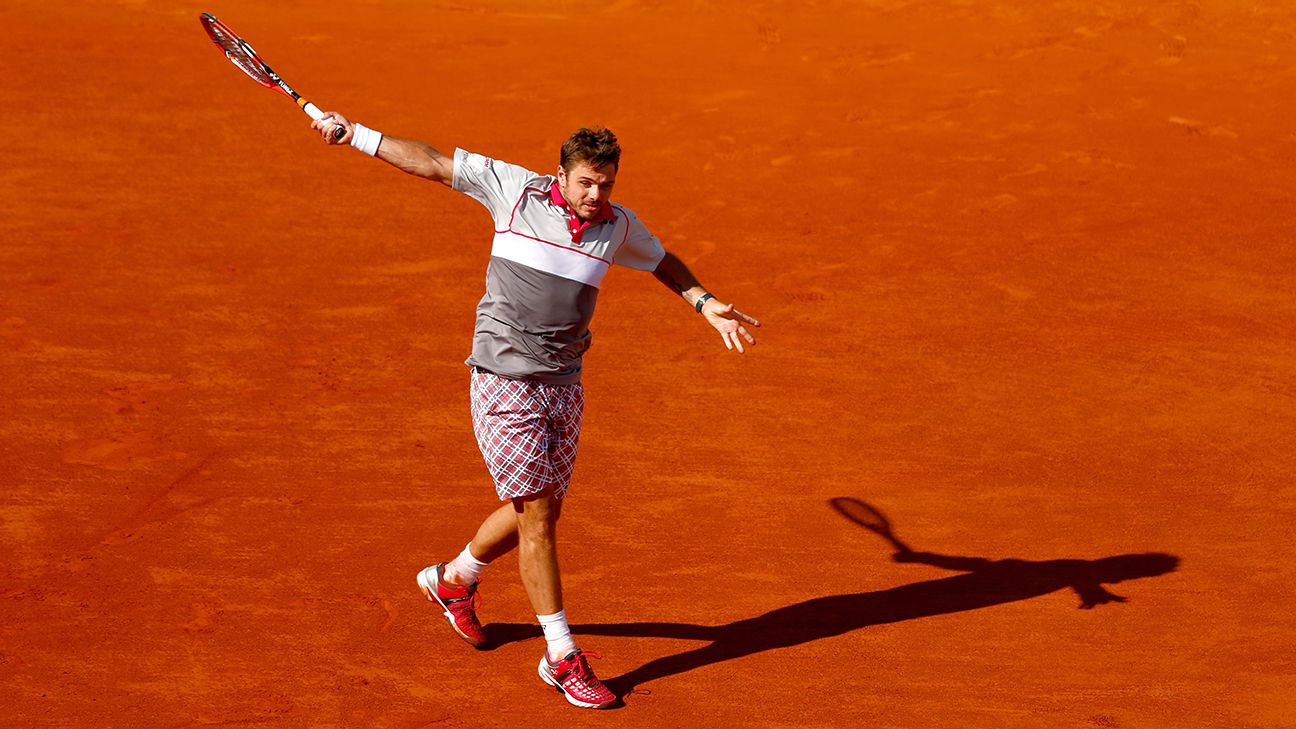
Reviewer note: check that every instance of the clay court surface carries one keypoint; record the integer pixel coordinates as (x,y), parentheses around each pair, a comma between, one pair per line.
(1026,272)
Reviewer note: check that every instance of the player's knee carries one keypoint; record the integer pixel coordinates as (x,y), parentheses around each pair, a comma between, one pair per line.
(538,535)
(536,515)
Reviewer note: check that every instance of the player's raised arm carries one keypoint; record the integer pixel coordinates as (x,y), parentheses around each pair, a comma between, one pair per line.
(724,317)
(408,155)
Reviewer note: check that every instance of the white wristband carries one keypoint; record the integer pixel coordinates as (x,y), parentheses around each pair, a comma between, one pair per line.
(365,139)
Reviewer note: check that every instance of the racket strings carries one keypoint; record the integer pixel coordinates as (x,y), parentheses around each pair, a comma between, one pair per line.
(238,52)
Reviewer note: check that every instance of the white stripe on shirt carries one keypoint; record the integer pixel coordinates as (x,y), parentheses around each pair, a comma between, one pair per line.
(549,257)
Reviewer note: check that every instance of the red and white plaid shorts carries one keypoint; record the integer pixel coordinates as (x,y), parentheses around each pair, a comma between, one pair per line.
(528,432)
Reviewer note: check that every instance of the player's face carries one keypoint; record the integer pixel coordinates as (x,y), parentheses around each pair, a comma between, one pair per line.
(586,189)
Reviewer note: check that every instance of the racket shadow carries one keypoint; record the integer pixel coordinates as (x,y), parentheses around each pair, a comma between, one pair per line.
(983,583)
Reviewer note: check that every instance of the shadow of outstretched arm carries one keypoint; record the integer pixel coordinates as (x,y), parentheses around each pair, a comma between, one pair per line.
(945,562)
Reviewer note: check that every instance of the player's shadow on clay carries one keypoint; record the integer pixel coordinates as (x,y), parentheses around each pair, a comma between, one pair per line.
(984,583)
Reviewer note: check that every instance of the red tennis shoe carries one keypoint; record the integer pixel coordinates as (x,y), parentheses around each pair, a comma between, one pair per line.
(458,602)
(574,679)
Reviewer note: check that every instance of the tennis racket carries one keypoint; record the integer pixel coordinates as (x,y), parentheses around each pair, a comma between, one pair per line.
(245,57)
(870,518)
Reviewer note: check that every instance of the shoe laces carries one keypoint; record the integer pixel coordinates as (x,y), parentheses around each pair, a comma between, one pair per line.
(474,599)
(470,602)
(581,667)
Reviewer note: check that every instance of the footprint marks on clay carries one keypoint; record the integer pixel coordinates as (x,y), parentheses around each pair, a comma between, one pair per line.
(1173,50)
(123,449)
(1201,129)
(168,503)
(207,617)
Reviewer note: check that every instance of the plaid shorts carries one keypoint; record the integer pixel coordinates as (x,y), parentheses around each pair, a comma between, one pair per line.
(528,432)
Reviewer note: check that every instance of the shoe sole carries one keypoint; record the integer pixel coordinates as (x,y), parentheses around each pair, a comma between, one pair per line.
(544,676)
(431,595)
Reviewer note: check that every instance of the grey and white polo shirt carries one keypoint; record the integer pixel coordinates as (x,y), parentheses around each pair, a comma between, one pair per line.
(545,269)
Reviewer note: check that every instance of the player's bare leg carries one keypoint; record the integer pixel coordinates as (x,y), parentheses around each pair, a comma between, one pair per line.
(537,525)
(496,537)
(563,666)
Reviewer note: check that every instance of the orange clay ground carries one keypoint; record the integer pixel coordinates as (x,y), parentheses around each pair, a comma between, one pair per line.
(1026,272)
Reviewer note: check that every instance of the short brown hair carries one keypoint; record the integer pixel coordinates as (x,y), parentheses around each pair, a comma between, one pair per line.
(594,147)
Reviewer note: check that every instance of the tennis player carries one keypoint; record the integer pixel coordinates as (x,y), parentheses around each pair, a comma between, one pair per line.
(556,236)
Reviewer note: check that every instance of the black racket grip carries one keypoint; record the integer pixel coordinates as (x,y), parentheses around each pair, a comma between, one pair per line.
(338,133)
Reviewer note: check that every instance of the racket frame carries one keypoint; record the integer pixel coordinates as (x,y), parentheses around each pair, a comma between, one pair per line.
(260,71)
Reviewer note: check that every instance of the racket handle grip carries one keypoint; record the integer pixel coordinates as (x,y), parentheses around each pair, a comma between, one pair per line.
(315,114)
(311,110)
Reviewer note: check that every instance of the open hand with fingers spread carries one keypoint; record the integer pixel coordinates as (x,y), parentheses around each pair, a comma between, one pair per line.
(731,323)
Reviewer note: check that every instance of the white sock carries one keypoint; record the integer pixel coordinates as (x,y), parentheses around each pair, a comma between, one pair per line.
(557,634)
(464,569)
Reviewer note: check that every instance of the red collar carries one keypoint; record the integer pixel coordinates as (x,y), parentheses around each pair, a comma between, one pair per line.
(575,225)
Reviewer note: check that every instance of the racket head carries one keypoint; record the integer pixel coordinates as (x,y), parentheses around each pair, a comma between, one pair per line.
(238,51)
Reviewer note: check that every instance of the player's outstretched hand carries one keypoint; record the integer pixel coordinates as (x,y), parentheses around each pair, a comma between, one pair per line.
(731,323)
(330,121)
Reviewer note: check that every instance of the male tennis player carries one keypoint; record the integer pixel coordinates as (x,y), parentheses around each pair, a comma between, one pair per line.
(555,238)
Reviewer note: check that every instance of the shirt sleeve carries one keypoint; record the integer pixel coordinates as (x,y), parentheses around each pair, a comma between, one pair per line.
(641,249)
(495,184)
